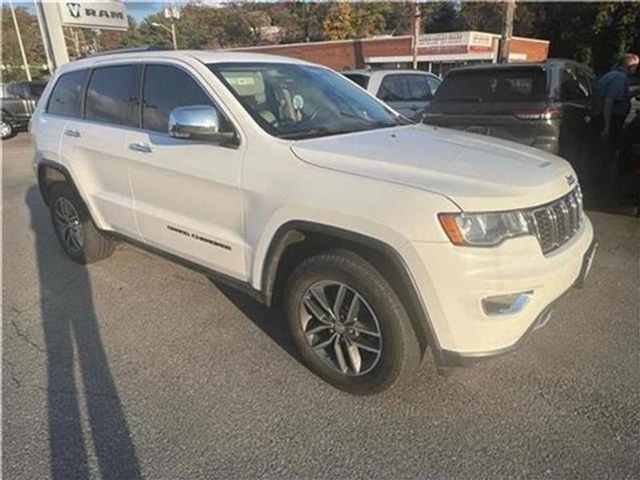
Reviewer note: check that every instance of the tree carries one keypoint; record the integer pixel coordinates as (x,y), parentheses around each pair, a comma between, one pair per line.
(34,50)
(339,22)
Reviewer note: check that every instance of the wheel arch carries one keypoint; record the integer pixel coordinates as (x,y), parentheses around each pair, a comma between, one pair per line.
(298,239)
(50,173)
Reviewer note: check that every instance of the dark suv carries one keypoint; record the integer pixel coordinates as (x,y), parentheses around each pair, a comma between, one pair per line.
(544,105)
(18,104)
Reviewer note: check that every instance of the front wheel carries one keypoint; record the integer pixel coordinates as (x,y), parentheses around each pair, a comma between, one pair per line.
(349,324)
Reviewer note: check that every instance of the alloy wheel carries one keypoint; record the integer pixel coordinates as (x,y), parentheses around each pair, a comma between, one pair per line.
(341,328)
(68,224)
(5,129)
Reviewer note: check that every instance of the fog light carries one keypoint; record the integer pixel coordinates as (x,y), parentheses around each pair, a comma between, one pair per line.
(506,304)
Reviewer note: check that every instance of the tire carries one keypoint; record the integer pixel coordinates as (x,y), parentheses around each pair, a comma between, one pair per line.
(316,331)
(6,129)
(78,235)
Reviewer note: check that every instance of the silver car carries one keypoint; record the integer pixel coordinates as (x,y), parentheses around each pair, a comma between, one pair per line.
(406,91)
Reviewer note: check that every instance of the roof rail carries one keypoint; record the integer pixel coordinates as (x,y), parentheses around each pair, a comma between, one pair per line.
(144,48)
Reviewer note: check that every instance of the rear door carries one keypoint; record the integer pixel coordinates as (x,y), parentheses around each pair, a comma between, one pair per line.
(187,193)
(93,146)
(575,95)
(63,103)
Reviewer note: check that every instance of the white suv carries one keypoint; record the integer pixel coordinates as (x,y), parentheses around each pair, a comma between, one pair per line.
(380,239)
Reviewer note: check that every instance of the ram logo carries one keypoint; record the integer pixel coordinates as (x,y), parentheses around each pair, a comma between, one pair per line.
(571,179)
(74,9)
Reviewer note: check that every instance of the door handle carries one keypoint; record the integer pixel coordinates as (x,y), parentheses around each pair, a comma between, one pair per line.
(140,147)
(72,132)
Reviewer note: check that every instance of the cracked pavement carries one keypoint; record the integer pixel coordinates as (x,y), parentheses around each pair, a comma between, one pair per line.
(135,367)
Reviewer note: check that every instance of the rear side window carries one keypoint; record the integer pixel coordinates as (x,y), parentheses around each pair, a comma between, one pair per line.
(65,99)
(113,95)
(165,88)
(358,78)
(394,89)
(419,87)
(573,86)
(509,85)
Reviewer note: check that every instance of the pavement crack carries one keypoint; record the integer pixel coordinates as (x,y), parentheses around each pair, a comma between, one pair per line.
(24,336)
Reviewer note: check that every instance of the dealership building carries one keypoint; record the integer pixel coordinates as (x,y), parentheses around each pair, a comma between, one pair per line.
(437,52)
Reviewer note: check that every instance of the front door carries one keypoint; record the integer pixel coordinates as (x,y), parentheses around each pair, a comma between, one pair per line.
(187,193)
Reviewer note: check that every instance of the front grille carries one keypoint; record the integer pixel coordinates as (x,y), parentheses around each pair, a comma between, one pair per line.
(555,223)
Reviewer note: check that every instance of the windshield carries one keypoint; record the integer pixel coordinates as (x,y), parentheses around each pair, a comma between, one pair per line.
(513,85)
(302,101)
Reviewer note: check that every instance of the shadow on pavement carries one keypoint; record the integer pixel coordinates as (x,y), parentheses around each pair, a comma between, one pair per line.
(269,320)
(73,344)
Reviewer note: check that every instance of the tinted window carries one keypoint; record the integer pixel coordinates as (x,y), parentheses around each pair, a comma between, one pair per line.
(394,89)
(508,85)
(358,78)
(419,88)
(66,96)
(571,88)
(166,88)
(434,83)
(112,95)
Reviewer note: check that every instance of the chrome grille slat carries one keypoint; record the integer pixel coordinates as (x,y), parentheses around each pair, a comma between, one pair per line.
(555,223)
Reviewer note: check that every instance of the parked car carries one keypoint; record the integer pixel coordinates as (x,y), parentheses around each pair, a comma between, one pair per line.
(18,104)
(379,238)
(544,105)
(406,91)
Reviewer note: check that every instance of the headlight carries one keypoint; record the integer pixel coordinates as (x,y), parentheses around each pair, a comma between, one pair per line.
(483,229)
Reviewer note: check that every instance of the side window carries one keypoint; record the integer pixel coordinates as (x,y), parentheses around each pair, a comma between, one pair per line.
(112,95)
(571,89)
(419,88)
(166,88)
(65,99)
(434,83)
(358,78)
(394,89)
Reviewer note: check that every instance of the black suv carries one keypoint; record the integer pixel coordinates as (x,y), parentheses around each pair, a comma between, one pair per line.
(544,105)
(18,104)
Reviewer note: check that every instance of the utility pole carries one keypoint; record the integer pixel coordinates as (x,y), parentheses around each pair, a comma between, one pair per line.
(415,34)
(24,55)
(507,29)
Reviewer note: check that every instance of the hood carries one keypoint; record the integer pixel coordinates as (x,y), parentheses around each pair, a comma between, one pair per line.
(475,172)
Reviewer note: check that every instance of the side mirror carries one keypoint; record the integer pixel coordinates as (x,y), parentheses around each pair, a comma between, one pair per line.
(197,122)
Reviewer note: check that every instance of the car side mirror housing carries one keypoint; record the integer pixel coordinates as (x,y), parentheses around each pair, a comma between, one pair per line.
(198,122)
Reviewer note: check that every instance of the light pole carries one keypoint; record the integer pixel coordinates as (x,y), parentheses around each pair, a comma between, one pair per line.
(171,30)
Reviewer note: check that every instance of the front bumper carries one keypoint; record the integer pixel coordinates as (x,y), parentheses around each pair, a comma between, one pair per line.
(453,281)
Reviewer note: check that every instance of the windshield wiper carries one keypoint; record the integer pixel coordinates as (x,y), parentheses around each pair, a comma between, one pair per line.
(314,132)
(367,121)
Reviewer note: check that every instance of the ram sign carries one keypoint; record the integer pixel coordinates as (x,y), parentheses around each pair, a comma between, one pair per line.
(107,15)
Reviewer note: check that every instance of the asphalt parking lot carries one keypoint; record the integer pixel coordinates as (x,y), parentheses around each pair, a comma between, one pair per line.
(137,367)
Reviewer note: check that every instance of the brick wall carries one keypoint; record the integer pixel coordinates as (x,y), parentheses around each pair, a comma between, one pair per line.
(351,53)
(536,50)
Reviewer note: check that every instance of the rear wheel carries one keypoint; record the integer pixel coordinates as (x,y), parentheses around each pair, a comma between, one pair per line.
(79,237)
(6,129)
(350,326)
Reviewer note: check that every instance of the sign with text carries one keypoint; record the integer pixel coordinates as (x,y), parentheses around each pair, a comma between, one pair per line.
(107,15)
(448,39)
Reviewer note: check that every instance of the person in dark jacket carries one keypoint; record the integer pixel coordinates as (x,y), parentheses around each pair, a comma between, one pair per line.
(612,101)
